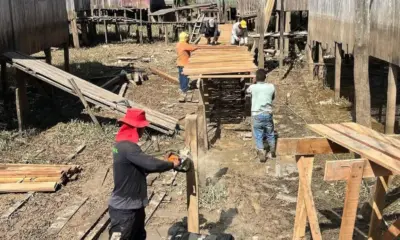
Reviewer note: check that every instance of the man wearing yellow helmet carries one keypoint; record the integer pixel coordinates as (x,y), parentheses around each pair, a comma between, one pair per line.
(183,50)
(239,33)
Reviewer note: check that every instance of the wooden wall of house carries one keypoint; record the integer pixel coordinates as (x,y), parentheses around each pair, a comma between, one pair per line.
(292,5)
(32,26)
(247,7)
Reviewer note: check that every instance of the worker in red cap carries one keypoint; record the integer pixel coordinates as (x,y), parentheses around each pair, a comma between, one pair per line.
(130,167)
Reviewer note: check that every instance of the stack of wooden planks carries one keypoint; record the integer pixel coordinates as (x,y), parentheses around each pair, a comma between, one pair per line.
(34,177)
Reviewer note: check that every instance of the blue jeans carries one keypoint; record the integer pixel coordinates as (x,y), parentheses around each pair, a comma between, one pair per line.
(183,80)
(263,127)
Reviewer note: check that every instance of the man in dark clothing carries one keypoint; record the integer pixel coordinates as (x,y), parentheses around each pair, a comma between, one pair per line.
(211,31)
(130,167)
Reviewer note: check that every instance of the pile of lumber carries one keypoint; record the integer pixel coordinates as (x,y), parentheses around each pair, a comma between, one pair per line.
(35,177)
(220,59)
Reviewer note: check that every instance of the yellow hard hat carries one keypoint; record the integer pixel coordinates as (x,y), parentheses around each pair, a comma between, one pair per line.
(183,36)
(243,24)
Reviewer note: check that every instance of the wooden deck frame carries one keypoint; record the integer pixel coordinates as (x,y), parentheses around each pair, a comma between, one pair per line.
(352,171)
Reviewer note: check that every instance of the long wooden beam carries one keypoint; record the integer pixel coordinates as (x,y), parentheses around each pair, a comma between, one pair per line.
(308,146)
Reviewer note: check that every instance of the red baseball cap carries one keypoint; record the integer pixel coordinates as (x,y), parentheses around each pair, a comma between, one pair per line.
(135,118)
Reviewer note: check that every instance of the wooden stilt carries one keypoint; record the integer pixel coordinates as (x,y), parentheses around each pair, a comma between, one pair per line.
(3,78)
(338,69)
(149,33)
(261,30)
(166,33)
(21,101)
(391,100)
(276,30)
(117,32)
(137,34)
(202,121)
(84,30)
(74,31)
(47,53)
(287,29)
(66,57)
(320,53)
(282,28)
(191,142)
(351,201)
(301,213)
(141,26)
(105,31)
(381,188)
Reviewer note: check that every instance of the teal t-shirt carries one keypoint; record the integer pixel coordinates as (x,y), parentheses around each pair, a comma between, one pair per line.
(262,95)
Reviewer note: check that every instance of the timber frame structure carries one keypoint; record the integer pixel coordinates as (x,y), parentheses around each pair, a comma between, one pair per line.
(380,159)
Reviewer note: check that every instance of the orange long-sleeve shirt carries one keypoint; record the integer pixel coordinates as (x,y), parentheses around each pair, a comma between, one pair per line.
(183,50)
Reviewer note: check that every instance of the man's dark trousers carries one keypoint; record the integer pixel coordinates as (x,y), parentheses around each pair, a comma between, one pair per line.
(130,223)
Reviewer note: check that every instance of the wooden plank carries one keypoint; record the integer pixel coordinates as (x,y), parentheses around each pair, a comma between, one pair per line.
(307,146)
(222,76)
(340,169)
(381,188)
(391,99)
(31,179)
(64,216)
(78,150)
(393,232)
(192,188)
(164,75)
(351,200)
(16,206)
(123,90)
(300,221)
(308,200)
(153,205)
(84,229)
(99,228)
(373,153)
(25,187)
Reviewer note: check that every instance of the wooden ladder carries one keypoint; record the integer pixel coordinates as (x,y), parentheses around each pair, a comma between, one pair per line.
(195,35)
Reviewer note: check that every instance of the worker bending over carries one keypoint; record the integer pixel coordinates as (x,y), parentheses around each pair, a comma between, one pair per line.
(262,95)
(239,33)
(183,50)
(130,167)
(211,32)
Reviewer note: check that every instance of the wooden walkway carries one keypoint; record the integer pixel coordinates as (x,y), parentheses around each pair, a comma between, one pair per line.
(91,92)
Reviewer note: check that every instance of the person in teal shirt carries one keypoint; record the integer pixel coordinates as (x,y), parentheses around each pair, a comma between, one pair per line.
(262,96)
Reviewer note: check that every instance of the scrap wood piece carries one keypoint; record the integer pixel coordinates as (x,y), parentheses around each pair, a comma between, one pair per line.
(153,205)
(351,200)
(32,179)
(28,187)
(393,232)
(77,151)
(99,228)
(127,58)
(151,178)
(89,224)
(65,216)
(164,75)
(170,180)
(123,90)
(309,202)
(16,206)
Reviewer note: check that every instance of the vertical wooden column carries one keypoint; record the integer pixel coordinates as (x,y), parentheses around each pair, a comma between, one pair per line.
(202,120)
(3,78)
(21,99)
(74,31)
(320,54)
(105,31)
(47,53)
(84,30)
(141,25)
(338,69)
(261,30)
(276,30)
(66,57)
(391,99)
(381,188)
(351,201)
(149,32)
(191,141)
(282,28)
(287,29)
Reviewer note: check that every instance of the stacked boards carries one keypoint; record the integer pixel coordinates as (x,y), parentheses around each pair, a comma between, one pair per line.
(226,72)
(34,177)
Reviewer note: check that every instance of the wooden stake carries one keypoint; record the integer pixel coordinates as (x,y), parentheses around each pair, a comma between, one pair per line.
(21,100)
(309,201)
(391,99)
(338,69)
(288,16)
(351,201)
(85,104)
(300,221)
(74,31)
(47,53)
(66,57)
(191,141)
(361,60)
(381,188)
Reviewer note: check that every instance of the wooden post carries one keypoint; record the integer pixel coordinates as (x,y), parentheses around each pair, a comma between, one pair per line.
(84,30)
(282,27)
(381,188)
(149,32)
(117,31)
(166,33)
(391,99)
(261,30)
(288,16)
(351,201)
(361,60)
(276,30)
(66,57)
(74,31)
(3,78)
(202,120)
(320,54)
(85,104)
(300,221)
(192,187)
(21,101)
(338,69)
(141,25)
(105,31)
(47,53)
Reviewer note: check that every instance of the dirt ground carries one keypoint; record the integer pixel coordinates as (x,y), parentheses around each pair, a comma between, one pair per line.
(238,194)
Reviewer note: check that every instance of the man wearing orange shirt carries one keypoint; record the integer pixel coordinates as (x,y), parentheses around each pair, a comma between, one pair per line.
(183,50)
